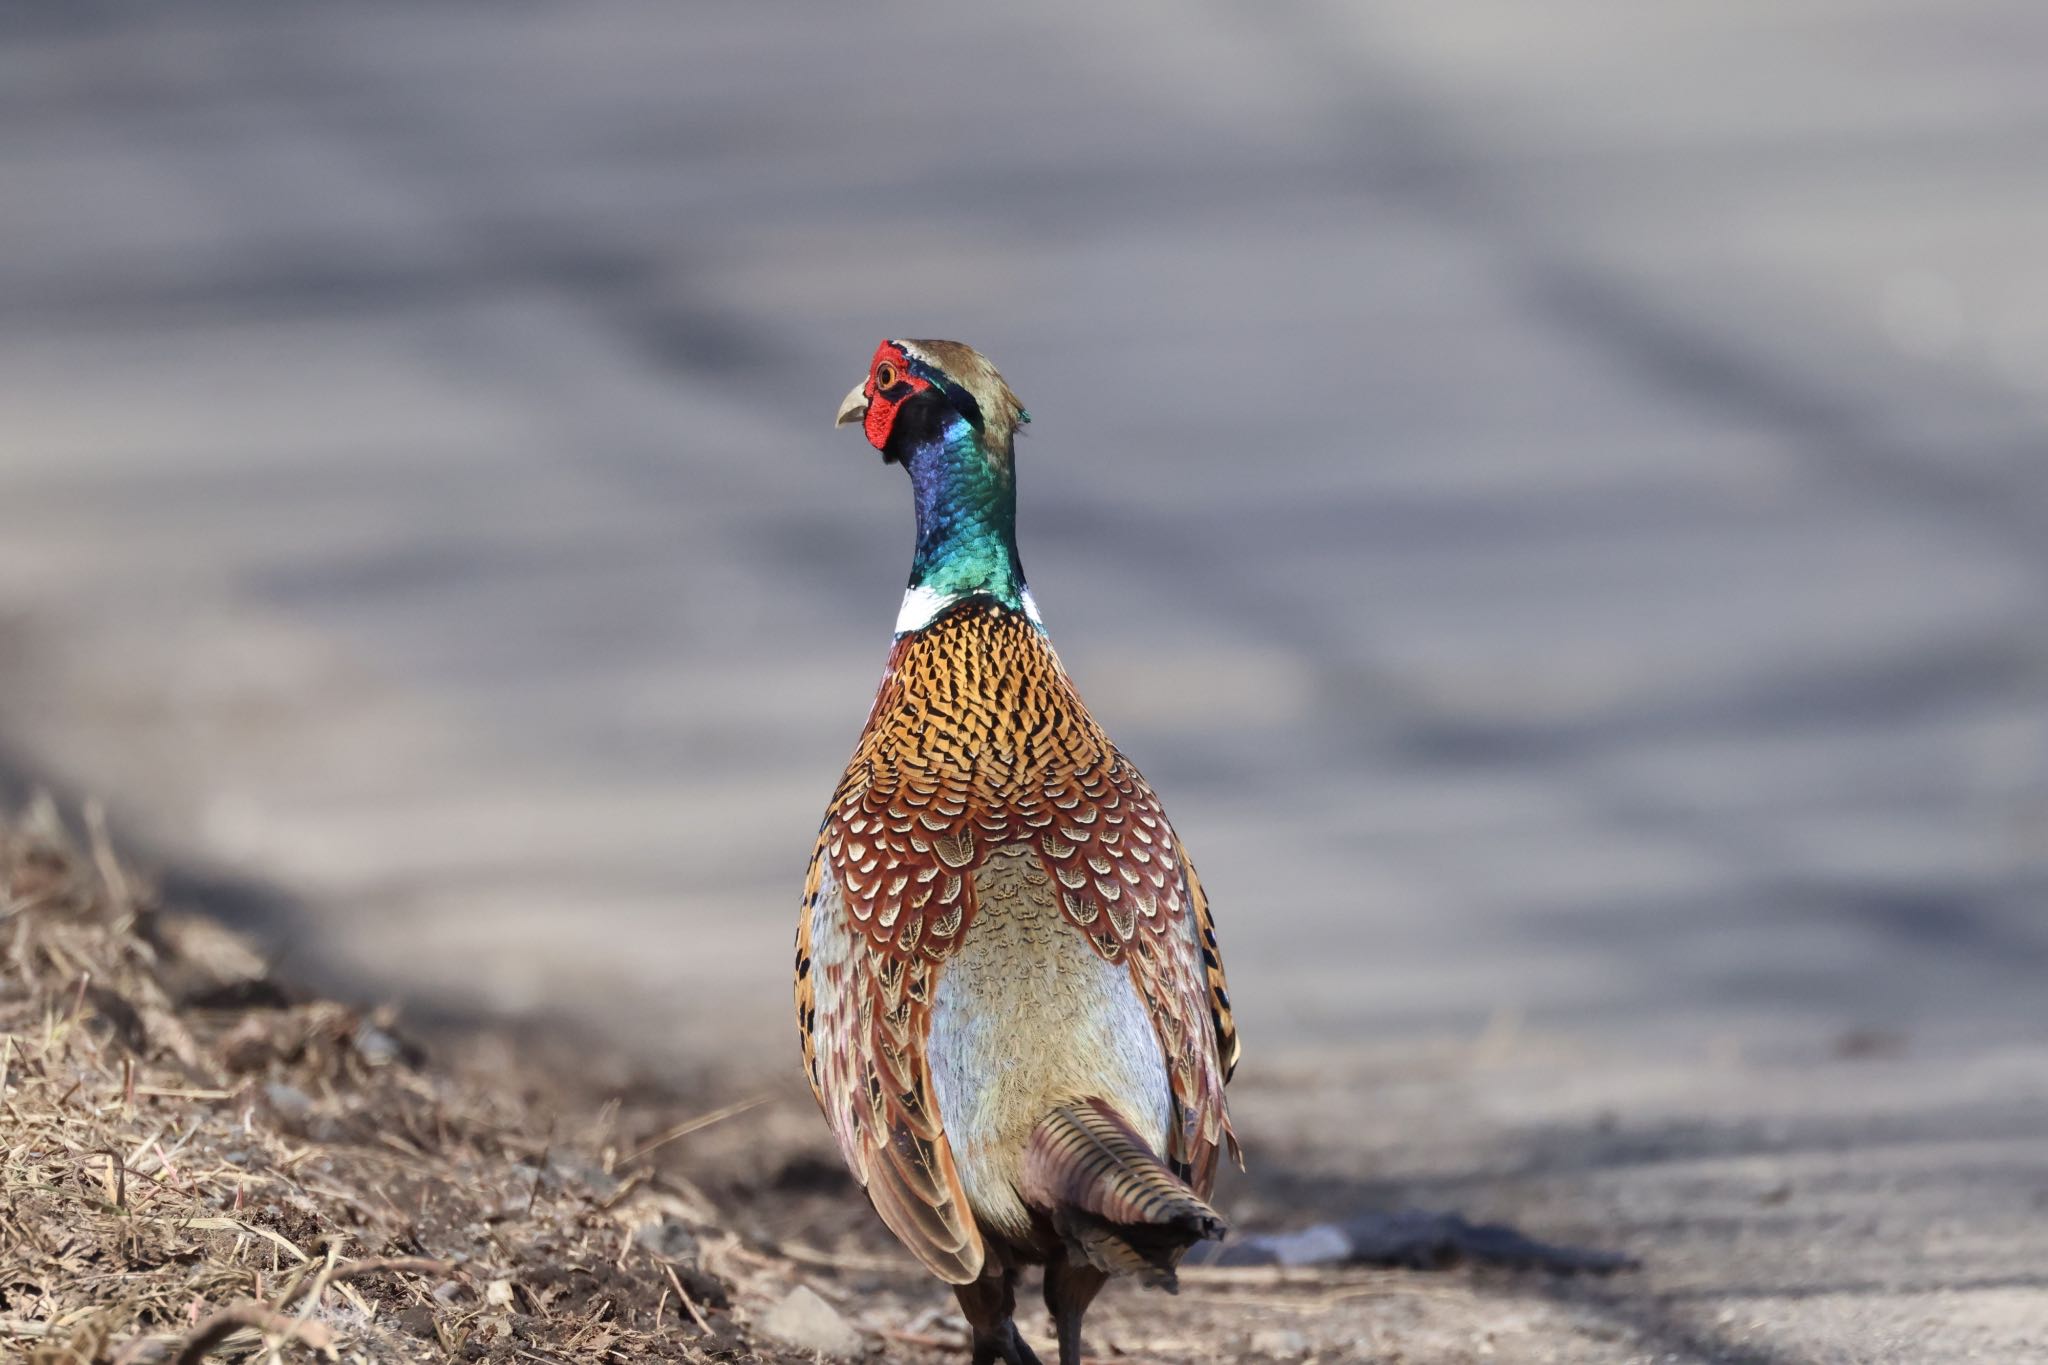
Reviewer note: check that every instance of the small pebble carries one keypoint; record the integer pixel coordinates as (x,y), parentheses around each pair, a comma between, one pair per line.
(290,1102)
(418,1320)
(377,1047)
(668,1239)
(1279,1341)
(804,1320)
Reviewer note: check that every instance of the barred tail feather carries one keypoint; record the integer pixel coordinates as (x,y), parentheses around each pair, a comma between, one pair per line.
(1110,1196)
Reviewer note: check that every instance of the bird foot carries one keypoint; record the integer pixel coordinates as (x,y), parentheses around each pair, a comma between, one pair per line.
(1003,1344)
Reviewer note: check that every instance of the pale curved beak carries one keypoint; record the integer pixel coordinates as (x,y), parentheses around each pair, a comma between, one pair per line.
(854,407)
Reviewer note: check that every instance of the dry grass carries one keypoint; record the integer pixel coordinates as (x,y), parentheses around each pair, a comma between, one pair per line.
(193,1163)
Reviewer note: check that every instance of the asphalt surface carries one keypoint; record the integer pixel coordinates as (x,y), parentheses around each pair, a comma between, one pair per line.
(1555,498)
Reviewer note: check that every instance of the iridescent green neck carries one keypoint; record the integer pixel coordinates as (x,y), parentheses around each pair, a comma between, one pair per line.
(966,525)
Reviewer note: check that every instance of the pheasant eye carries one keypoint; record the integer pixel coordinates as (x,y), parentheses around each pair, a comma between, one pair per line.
(885,376)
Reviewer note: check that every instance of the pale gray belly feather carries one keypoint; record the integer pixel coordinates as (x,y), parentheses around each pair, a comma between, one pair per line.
(1025,1017)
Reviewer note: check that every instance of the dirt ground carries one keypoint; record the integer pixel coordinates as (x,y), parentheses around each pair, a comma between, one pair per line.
(198,1157)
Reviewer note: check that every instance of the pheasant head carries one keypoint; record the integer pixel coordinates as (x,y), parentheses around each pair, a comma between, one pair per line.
(940,410)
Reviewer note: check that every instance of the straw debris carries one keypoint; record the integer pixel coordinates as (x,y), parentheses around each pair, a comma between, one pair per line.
(195,1164)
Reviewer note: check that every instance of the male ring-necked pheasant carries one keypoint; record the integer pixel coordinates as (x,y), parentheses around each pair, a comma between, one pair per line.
(1012,1006)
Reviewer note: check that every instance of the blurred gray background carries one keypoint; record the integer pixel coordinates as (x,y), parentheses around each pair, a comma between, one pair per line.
(1555,497)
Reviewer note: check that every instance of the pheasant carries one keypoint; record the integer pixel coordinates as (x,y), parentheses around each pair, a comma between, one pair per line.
(1012,1005)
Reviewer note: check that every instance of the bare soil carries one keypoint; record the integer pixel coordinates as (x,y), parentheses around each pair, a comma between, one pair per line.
(200,1161)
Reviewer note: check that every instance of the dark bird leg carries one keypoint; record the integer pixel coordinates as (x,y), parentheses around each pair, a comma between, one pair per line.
(988,1305)
(1069,1289)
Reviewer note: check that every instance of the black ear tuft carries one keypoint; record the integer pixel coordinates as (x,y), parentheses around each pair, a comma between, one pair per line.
(964,403)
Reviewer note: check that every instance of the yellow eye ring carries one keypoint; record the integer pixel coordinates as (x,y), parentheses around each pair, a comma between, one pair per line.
(885,376)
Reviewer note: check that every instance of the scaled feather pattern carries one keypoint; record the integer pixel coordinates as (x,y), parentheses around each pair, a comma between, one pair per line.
(977,744)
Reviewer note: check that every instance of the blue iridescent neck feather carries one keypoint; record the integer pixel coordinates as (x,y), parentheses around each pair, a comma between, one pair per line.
(966,526)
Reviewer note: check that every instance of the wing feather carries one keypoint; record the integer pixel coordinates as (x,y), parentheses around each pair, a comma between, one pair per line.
(1127,882)
(1227,1048)
(865,1014)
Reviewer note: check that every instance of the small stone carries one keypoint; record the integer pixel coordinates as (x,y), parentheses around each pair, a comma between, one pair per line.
(290,1103)
(668,1239)
(377,1047)
(1323,1244)
(804,1320)
(1279,1341)
(418,1320)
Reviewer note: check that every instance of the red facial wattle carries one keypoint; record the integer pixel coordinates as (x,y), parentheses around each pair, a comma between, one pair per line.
(890,385)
